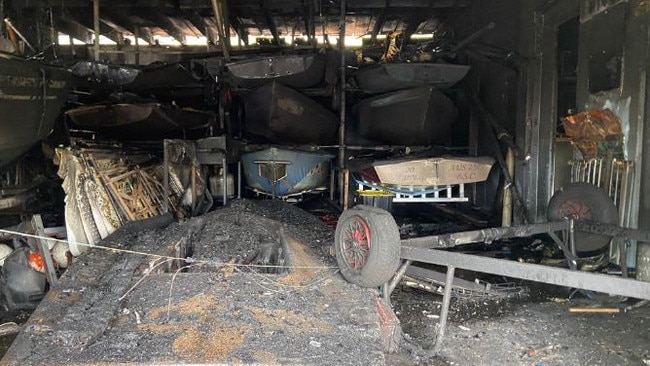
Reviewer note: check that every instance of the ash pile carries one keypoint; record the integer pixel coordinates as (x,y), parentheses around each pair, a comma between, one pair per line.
(250,283)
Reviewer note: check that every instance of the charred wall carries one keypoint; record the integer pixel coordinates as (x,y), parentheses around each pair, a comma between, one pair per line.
(610,72)
(494,78)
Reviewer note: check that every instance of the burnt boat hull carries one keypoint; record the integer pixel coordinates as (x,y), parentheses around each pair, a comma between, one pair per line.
(278,114)
(420,116)
(391,77)
(148,121)
(297,71)
(281,173)
(31,97)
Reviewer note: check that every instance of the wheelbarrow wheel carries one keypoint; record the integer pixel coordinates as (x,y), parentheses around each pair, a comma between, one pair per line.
(367,246)
(584,201)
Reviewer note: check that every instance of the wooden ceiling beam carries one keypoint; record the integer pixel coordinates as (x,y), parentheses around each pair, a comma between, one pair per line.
(167,25)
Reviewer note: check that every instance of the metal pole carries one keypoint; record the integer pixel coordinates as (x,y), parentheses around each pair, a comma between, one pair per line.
(223,39)
(96,27)
(224,176)
(239,182)
(398,276)
(444,312)
(572,238)
(136,33)
(533,272)
(506,215)
(13,29)
(342,104)
(53,34)
(2,17)
(165,175)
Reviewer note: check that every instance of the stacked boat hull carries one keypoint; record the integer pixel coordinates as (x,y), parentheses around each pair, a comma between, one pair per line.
(31,97)
(419,116)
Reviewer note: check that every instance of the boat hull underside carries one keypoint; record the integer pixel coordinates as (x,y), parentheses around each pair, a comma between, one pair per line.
(388,77)
(420,116)
(282,173)
(29,108)
(278,114)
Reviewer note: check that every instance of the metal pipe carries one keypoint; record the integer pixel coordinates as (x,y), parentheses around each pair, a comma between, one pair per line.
(533,272)
(223,40)
(398,276)
(485,235)
(20,35)
(166,158)
(611,178)
(224,176)
(2,16)
(506,214)
(622,207)
(136,32)
(54,39)
(594,171)
(444,311)
(96,28)
(616,186)
(479,33)
(628,212)
(572,238)
(332,182)
(600,172)
(239,183)
(346,189)
(342,103)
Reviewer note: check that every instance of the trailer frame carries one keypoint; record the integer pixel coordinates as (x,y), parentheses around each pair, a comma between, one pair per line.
(431,250)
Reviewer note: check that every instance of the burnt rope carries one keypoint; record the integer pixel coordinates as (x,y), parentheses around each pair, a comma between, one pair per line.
(152,255)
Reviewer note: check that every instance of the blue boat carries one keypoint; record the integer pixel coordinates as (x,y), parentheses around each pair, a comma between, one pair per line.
(283,173)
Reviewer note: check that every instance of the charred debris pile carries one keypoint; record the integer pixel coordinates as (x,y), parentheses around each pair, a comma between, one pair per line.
(246,283)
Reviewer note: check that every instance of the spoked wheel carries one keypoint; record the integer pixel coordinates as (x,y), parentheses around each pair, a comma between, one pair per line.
(367,246)
(583,201)
(355,242)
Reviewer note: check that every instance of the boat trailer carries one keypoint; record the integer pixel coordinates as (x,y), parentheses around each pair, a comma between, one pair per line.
(370,253)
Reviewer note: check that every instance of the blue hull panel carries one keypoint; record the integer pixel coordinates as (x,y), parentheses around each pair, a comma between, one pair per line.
(281,173)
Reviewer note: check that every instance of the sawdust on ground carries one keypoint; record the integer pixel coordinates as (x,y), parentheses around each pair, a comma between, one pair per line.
(283,319)
(266,358)
(300,258)
(203,305)
(211,346)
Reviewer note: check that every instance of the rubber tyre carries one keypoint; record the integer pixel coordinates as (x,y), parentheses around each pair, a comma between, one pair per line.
(584,201)
(383,255)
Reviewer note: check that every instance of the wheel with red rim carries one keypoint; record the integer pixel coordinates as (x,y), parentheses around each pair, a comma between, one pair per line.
(367,246)
(583,201)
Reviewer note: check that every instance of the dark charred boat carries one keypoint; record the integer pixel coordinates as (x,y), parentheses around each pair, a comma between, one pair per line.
(297,71)
(390,77)
(146,121)
(31,97)
(420,116)
(278,114)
